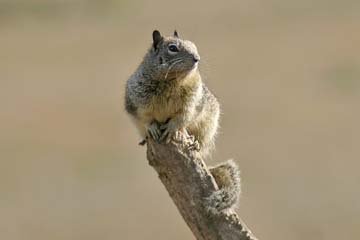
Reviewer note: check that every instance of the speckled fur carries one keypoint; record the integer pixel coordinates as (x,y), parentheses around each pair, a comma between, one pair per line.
(167,88)
(227,176)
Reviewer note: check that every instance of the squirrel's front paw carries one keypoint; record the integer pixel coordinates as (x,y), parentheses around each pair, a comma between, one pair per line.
(170,131)
(154,131)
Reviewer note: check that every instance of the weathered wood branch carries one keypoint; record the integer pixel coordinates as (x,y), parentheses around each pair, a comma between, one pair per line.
(189,182)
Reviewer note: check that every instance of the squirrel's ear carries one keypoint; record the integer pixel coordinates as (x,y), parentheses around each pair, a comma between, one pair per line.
(156,38)
(176,34)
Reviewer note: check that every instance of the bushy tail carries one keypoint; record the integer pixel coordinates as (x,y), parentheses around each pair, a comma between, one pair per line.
(227,177)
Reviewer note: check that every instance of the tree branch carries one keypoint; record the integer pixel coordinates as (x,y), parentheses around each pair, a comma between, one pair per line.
(189,182)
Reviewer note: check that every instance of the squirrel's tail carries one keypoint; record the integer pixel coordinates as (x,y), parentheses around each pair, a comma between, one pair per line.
(227,177)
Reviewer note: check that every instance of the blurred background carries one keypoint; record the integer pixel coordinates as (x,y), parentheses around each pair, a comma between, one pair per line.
(287,74)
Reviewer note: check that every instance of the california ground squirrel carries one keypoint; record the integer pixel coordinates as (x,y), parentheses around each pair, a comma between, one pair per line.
(166,95)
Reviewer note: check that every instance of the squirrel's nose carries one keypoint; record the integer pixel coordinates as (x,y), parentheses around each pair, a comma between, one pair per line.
(196,58)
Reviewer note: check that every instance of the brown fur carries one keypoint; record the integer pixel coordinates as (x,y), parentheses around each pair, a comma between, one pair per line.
(166,95)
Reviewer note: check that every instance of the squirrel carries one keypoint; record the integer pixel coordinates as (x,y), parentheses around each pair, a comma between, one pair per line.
(166,95)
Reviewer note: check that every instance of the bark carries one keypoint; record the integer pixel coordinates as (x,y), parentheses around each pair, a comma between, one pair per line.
(188,182)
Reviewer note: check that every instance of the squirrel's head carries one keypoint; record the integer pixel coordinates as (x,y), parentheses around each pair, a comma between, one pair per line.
(175,57)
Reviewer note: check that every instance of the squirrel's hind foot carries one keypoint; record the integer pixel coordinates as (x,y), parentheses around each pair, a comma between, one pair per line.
(193,144)
(183,136)
(167,133)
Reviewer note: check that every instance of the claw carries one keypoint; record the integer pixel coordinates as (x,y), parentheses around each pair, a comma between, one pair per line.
(154,131)
(168,132)
(194,146)
(143,142)
(164,135)
(167,135)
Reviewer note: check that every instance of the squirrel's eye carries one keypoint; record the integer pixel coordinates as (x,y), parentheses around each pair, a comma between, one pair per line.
(173,48)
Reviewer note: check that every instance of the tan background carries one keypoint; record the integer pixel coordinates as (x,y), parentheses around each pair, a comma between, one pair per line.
(286,72)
